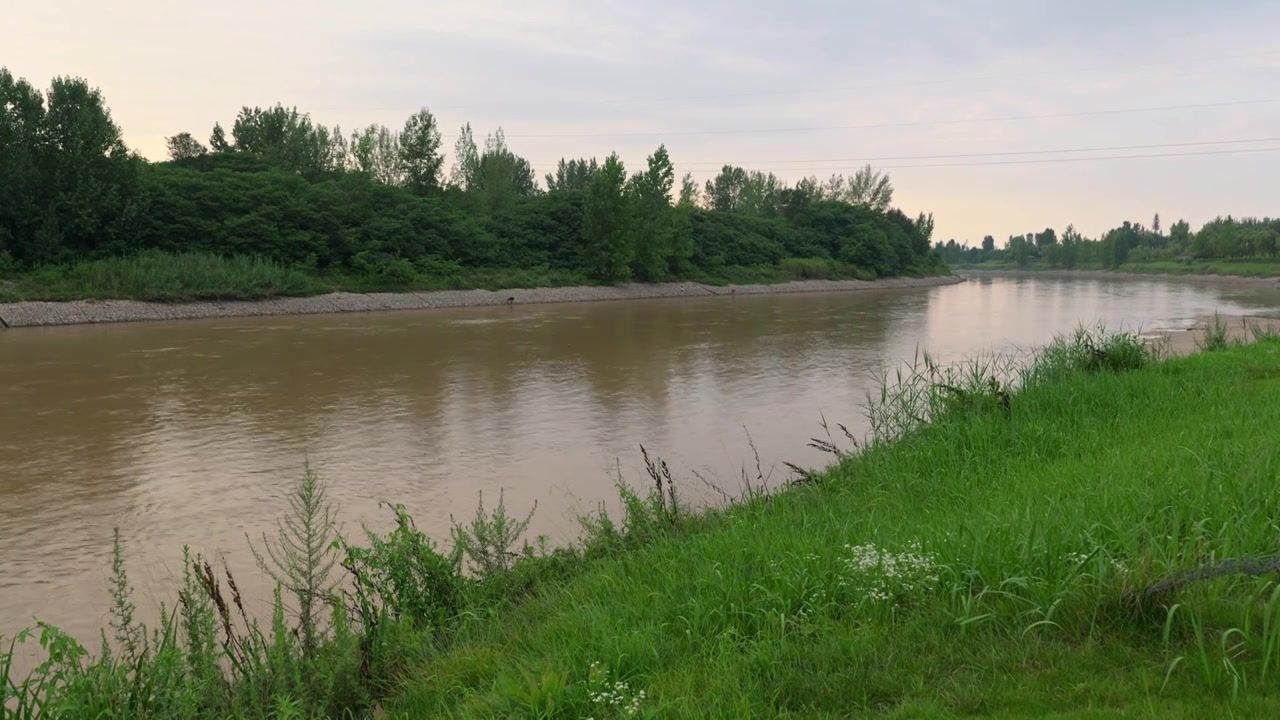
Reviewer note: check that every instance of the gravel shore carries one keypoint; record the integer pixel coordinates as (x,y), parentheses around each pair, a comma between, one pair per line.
(33,314)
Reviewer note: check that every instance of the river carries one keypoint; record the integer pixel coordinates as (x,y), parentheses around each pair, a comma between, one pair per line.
(193,432)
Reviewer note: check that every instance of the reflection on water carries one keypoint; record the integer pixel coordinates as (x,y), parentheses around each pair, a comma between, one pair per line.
(193,432)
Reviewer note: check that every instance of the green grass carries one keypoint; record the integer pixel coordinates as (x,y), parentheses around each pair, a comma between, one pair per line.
(162,277)
(183,277)
(975,567)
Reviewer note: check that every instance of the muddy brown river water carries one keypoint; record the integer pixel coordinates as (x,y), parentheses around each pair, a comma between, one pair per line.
(193,432)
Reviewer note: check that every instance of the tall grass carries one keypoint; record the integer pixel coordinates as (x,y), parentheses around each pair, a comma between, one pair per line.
(163,277)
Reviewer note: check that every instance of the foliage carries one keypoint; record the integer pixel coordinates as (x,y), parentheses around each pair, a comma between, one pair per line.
(372,210)
(301,558)
(1129,243)
(488,542)
(402,578)
(607,244)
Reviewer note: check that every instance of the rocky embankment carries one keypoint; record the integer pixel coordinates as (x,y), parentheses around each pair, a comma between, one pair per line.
(33,314)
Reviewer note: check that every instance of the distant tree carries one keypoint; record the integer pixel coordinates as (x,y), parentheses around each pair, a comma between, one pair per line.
(760,193)
(501,175)
(724,191)
(420,158)
(572,175)
(988,244)
(654,221)
(605,227)
(283,136)
(1155,224)
(1180,235)
(339,150)
(218,139)
(924,223)
(466,160)
(870,188)
(690,194)
(1046,238)
(375,151)
(183,146)
(69,187)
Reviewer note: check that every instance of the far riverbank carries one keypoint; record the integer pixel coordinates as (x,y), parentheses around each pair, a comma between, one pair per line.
(38,313)
(1261,282)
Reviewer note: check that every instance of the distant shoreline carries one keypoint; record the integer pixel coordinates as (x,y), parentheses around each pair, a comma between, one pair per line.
(80,312)
(1262,282)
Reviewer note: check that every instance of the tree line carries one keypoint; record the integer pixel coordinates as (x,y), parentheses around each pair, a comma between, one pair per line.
(1221,238)
(381,201)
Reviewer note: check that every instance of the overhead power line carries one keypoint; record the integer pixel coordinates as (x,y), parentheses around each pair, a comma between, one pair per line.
(904,123)
(1046,160)
(750,164)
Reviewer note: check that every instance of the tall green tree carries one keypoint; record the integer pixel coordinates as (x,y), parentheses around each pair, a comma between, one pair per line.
(375,151)
(283,136)
(870,188)
(501,175)
(606,230)
(183,147)
(690,194)
(466,161)
(572,175)
(654,242)
(420,158)
(21,151)
(70,186)
(724,191)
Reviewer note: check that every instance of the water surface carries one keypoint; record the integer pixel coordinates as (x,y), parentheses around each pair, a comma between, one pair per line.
(193,432)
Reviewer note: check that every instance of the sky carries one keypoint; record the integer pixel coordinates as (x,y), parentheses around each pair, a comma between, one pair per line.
(804,87)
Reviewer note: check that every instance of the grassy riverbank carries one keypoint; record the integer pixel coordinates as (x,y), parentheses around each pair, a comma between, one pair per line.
(1224,267)
(977,567)
(989,563)
(187,277)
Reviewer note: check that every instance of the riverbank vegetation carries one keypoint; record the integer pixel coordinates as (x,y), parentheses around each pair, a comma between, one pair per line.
(312,208)
(1247,247)
(1087,532)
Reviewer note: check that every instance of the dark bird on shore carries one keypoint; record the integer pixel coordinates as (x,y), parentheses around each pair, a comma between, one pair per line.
(510,300)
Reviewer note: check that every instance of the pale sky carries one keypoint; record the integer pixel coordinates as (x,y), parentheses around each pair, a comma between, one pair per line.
(799,87)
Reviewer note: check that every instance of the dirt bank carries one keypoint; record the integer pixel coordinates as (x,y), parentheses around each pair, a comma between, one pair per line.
(32,314)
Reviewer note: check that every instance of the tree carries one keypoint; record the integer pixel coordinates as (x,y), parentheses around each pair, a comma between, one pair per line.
(572,175)
(218,139)
(653,241)
(375,151)
(1046,238)
(690,195)
(870,188)
(70,187)
(1155,224)
(466,161)
(988,244)
(605,230)
(724,192)
(183,146)
(282,136)
(420,158)
(501,175)
(1180,235)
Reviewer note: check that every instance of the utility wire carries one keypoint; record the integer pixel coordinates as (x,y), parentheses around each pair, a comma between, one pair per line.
(754,163)
(1048,160)
(896,124)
